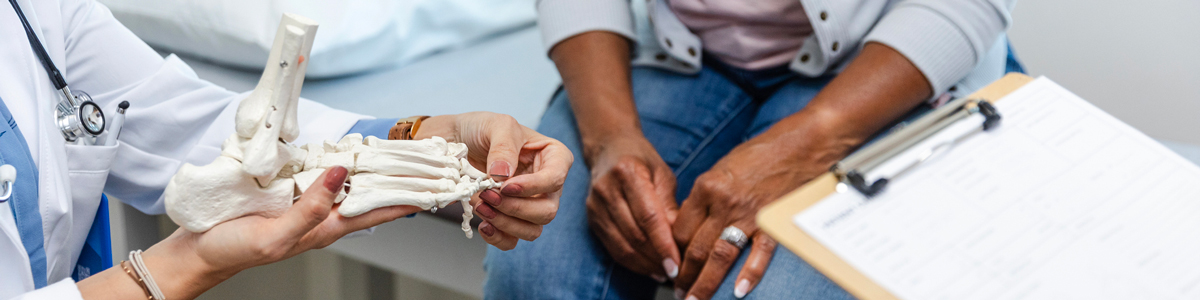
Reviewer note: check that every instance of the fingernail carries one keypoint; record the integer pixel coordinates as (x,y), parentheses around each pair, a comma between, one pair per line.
(741,289)
(485,211)
(491,197)
(671,268)
(512,190)
(692,297)
(486,229)
(500,168)
(678,294)
(658,278)
(335,179)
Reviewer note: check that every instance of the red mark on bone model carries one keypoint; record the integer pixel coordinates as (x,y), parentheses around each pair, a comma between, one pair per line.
(301,60)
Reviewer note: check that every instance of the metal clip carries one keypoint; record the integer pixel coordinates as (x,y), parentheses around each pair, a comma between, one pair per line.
(851,170)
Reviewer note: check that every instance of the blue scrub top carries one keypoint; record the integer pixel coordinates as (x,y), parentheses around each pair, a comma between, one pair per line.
(24,201)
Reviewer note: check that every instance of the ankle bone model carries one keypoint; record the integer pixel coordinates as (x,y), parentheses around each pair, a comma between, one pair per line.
(259,173)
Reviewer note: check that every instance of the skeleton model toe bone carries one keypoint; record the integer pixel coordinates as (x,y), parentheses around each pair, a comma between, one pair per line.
(259,173)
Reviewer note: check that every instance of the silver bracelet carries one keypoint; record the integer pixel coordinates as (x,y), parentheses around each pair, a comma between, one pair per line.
(135,257)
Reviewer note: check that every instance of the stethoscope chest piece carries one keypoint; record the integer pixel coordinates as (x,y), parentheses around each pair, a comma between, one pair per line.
(79,117)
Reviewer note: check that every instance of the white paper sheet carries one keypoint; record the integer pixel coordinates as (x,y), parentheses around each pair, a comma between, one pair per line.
(1061,201)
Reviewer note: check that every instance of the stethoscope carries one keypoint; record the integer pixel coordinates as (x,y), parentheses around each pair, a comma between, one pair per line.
(8,175)
(80,119)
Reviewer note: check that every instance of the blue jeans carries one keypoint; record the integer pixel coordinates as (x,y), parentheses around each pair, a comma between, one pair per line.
(693,121)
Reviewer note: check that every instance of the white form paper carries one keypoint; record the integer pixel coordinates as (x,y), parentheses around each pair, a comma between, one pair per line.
(1061,201)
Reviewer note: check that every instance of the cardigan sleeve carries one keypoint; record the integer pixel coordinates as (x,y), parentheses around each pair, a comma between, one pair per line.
(562,19)
(945,39)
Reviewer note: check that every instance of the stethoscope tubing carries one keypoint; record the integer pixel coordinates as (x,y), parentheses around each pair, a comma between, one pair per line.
(35,43)
(71,106)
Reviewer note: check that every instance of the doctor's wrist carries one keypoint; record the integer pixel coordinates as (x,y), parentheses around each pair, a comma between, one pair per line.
(180,272)
(445,126)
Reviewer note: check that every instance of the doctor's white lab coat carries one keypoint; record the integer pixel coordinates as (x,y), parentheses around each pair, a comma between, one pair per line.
(174,118)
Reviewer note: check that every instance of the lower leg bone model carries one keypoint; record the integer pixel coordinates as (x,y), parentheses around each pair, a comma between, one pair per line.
(258,173)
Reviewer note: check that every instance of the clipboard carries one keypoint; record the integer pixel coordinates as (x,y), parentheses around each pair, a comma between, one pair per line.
(776,218)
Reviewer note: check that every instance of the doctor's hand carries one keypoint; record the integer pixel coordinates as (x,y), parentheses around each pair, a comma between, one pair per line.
(311,223)
(187,264)
(531,166)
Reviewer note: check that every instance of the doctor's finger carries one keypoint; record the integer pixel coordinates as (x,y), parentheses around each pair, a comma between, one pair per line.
(337,226)
(554,160)
(513,226)
(497,238)
(504,146)
(315,204)
(537,210)
(372,218)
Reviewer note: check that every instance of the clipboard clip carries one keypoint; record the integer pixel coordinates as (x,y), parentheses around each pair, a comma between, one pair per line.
(851,170)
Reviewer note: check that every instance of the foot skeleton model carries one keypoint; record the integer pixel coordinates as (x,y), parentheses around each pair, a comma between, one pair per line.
(258,173)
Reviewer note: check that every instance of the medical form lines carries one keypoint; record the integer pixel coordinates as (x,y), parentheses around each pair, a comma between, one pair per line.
(1068,239)
(1180,215)
(1020,201)
(1031,195)
(964,239)
(967,240)
(1060,187)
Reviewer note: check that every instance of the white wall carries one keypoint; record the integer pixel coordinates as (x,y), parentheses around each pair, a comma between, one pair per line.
(1137,60)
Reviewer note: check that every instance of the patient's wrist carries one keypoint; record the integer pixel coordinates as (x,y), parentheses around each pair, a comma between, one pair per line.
(597,145)
(812,138)
(600,129)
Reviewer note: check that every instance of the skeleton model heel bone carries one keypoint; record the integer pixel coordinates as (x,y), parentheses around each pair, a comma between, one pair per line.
(258,173)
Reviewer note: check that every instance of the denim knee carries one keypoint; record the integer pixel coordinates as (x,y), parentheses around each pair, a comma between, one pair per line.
(787,277)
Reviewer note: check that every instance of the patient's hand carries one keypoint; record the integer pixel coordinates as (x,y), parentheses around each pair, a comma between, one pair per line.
(631,205)
(751,176)
(879,86)
(531,165)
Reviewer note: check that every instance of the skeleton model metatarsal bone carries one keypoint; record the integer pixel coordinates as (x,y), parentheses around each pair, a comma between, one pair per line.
(259,173)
